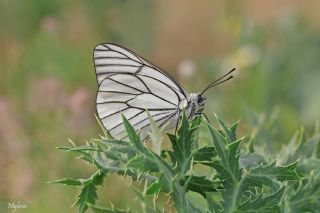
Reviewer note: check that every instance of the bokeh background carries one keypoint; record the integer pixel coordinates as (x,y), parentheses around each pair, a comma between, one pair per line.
(48,85)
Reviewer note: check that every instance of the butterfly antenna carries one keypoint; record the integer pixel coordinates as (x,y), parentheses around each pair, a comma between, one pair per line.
(219,81)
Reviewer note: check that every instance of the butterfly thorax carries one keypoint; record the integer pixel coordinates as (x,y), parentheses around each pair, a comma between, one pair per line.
(195,105)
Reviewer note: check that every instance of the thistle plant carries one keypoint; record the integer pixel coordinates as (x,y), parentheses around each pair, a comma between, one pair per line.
(236,178)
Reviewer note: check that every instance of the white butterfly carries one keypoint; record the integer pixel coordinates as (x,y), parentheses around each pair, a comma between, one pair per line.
(130,85)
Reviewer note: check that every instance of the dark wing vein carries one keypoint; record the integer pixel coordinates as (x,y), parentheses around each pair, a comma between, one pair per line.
(119,92)
(142,61)
(125,85)
(117,102)
(163,84)
(182,90)
(156,109)
(143,83)
(124,54)
(114,113)
(149,91)
(158,95)
(147,118)
(119,65)
(129,118)
(170,115)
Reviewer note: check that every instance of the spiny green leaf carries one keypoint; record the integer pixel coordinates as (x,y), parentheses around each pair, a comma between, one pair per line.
(201,184)
(159,186)
(227,167)
(156,134)
(136,175)
(68,181)
(87,195)
(97,178)
(132,135)
(154,188)
(112,142)
(230,132)
(303,150)
(252,187)
(143,164)
(239,187)
(233,158)
(105,131)
(169,182)
(196,122)
(170,154)
(83,150)
(204,154)
(146,205)
(306,197)
(269,203)
(269,176)
(281,173)
(79,149)
(213,202)
(219,143)
(305,166)
(251,160)
(298,147)
(182,145)
(228,154)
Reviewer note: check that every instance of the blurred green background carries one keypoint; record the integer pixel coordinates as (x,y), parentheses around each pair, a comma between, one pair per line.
(48,85)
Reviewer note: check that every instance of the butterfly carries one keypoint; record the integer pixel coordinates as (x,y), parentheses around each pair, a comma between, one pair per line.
(129,85)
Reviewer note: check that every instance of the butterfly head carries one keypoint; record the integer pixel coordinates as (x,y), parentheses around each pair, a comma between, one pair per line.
(201,100)
(198,101)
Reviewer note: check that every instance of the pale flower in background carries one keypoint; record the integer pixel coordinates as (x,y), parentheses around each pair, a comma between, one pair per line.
(80,106)
(49,24)
(21,177)
(14,150)
(48,95)
(186,69)
(242,58)
(13,138)
(45,94)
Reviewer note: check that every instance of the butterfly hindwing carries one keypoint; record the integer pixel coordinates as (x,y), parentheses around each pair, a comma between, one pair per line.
(129,95)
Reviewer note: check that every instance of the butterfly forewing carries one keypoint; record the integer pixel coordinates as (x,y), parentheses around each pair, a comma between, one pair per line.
(130,85)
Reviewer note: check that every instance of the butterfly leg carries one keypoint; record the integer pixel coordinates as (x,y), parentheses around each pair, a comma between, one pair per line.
(205,116)
(177,124)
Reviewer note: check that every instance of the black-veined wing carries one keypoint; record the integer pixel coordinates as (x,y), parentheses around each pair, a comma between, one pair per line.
(128,85)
